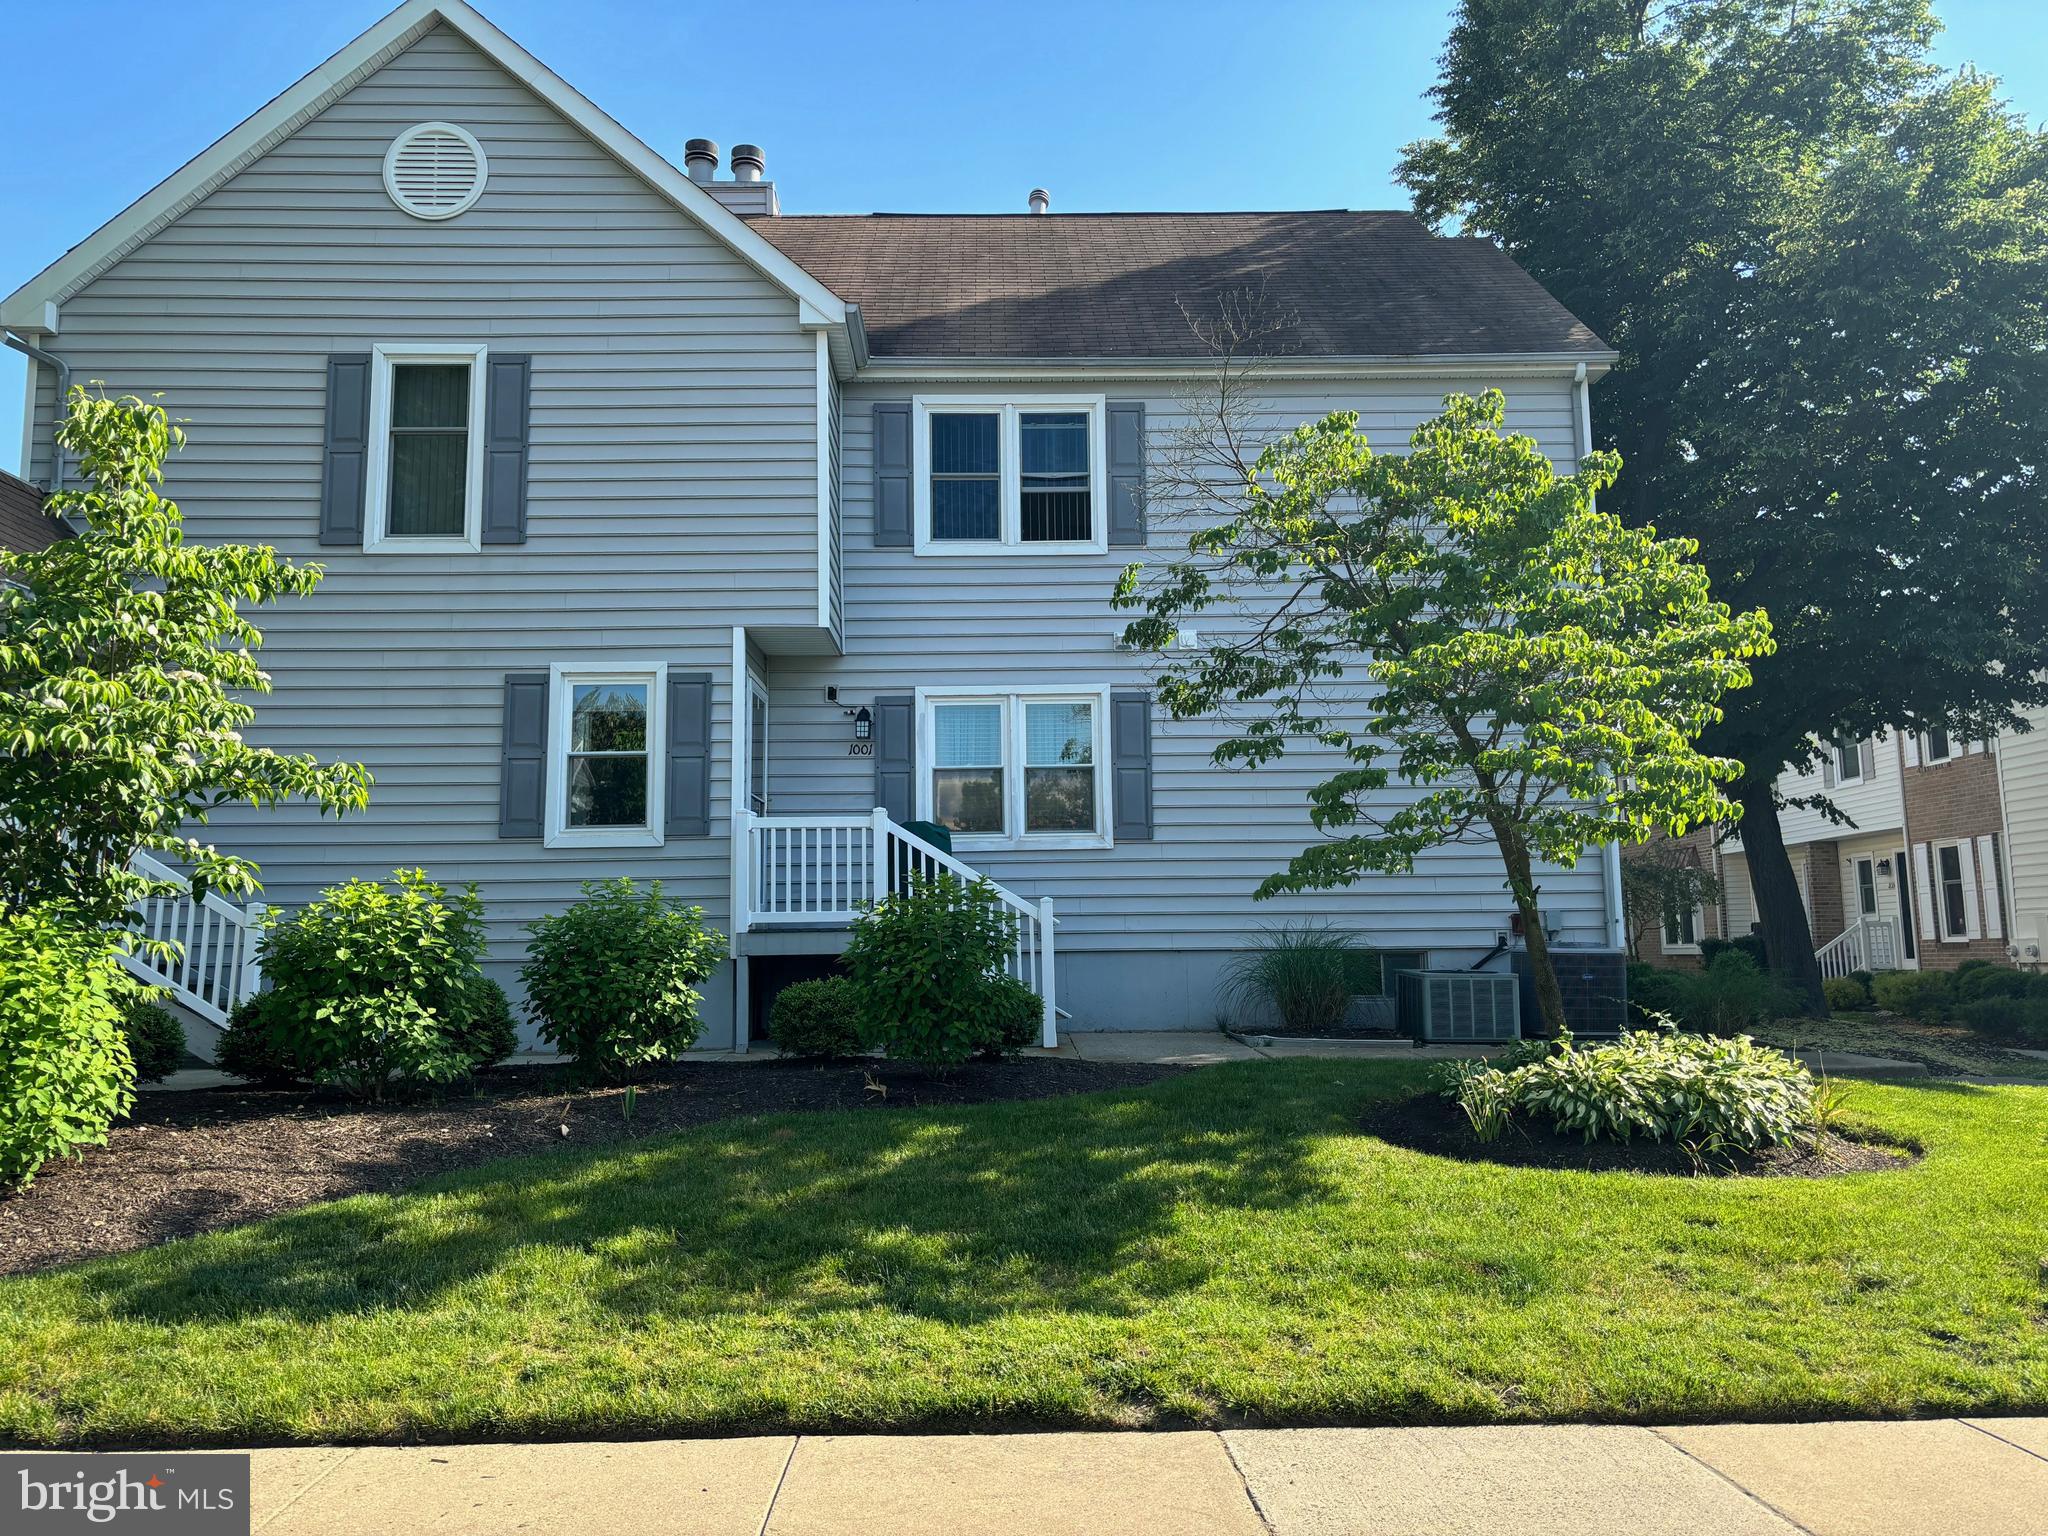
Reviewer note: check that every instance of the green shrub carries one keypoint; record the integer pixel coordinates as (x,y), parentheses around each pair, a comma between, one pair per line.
(612,981)
(375,985)
(484,1028)
(65,1071)
(253,1046)
(2037,984)
(1749,944)
(1865,978)
(156,1040)
(926,968)
(815,1018)
(1923,995)
(2010,1020)
(1731,995)
(1979,979)
(1306,973)
(1715,1097)
(1656,991)
(1017,1014)
(1846,992)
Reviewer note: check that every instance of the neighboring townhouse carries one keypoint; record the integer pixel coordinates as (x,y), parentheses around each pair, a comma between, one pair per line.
(671,536)
(24,525)
(2023,800)
(1916,877)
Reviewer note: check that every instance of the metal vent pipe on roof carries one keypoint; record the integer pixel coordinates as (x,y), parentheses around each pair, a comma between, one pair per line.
(700,159)
(1041,200)
(748,163)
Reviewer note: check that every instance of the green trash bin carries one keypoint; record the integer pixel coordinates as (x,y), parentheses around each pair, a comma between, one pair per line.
(906,861)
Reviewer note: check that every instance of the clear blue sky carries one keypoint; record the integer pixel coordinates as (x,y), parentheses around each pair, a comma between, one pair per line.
(902,105)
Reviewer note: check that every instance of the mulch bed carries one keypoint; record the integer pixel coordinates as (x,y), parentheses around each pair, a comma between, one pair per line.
(193,1162)
(1433,1124)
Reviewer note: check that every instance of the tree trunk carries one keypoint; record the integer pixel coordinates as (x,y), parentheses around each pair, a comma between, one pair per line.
(1781,915)
(1542,971)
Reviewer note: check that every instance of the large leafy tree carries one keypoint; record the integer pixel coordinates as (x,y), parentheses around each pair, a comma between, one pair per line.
(126,670)
(1459,616)
(1825,266)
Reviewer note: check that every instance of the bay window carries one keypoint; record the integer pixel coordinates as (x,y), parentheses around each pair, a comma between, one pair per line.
(1019,769)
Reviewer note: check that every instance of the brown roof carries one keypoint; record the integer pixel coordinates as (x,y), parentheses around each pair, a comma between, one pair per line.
(1123,284)
(24,525)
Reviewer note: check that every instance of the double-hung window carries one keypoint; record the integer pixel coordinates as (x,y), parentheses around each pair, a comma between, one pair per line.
(1848,761)
(1939,748)
(1682,930)
(605,768)
(426,461)
(997,475)
(1949,893)
(1024,769)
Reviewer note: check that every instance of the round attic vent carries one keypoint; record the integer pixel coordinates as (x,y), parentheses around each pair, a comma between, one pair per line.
(435,171)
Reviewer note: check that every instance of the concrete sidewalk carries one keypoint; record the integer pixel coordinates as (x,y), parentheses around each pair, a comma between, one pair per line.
(1988,1477)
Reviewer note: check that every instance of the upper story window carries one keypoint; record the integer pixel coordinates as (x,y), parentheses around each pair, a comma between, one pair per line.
(1848,761)
(1939,748)
(1001,474)
(1022,769)
(604,770)
(426,463)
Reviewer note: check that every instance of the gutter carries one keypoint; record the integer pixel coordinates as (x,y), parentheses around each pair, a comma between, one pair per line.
(63,371)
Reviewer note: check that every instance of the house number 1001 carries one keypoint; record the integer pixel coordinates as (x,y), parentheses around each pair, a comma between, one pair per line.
(861,749)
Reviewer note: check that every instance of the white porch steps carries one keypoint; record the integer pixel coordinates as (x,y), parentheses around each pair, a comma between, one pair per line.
(1868,944)
(801,881)
(210,966)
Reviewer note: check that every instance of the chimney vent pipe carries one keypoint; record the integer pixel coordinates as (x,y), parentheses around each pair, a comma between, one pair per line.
(700,160)
(748,163)
(1041,200)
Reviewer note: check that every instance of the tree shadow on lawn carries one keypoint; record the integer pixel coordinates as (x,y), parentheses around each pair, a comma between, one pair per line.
(952,1216)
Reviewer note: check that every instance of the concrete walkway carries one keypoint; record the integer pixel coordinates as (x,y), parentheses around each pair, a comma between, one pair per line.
(1988,1477)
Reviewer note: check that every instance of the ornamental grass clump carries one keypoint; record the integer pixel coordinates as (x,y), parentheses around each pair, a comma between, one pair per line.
(1714,1097)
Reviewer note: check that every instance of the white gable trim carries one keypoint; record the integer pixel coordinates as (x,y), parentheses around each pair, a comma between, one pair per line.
(32,307)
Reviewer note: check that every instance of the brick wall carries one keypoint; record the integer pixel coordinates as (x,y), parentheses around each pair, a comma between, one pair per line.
(1649,940)
(1823,886)
(1957,801)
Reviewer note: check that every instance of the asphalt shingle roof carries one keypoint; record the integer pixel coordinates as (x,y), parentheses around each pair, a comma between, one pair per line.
(1123,285)
(23,523)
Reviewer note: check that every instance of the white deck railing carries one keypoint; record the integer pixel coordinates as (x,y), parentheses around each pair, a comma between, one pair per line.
(212,965)
(819,871)
(1868,944)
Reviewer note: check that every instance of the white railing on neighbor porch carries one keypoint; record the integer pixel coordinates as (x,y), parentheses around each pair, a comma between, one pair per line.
(1868,944)
(212,965)
(818,871)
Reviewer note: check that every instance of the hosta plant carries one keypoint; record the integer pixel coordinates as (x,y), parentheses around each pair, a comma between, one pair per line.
(1714,1097)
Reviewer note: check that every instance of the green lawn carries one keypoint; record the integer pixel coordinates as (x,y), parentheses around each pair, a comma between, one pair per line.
(1222,1246)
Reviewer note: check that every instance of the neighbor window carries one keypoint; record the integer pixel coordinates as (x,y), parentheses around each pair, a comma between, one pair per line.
(1938,748)
(1020,767)
(426,447)
(604,769)
(1948,886)
(1681,929)
(1001,474)
(1849,762)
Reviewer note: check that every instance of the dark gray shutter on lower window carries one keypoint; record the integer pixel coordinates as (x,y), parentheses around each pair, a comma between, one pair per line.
(1130,766)
(689,755)
(523,781)
(345,457)
(896,755)
(1126,472)
(505,434)
(892,474)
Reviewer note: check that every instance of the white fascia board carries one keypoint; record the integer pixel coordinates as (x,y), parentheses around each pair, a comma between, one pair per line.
(29,307)
(1475,365)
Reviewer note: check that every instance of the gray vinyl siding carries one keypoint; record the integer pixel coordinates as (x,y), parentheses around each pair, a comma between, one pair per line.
(1017,619)
(673,469)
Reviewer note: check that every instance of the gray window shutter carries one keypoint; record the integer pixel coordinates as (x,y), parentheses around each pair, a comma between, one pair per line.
(1126,472)
(345,463)
(689,754)
(896,755)
(1866,758)
(505,433)
(1827,765)
(892,474)
(1130,766)
(523,783)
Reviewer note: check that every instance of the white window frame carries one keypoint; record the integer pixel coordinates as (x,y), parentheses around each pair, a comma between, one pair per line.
(563,679)
(384,356)
(1699,928)
(1009,461)
(1013,700)
(1855,750)
(1955,748)
(1963,873)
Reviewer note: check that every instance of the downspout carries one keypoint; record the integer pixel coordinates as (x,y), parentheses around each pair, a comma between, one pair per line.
(63,371)
(1617,922)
